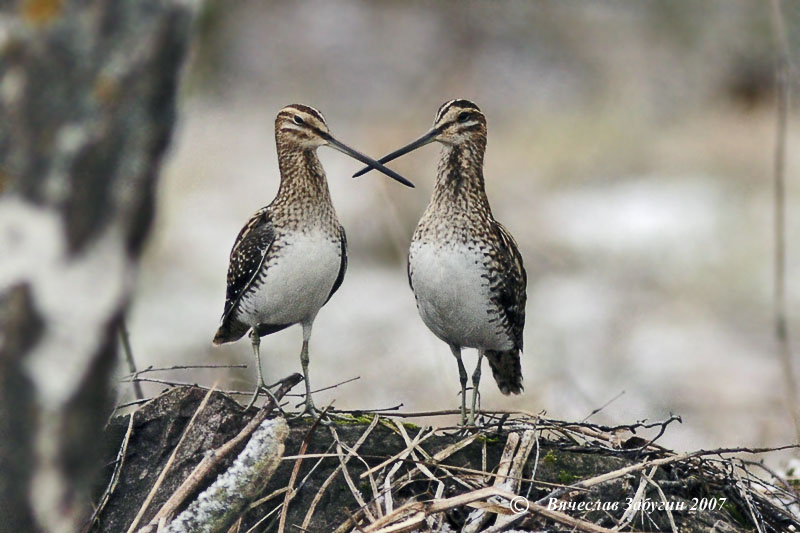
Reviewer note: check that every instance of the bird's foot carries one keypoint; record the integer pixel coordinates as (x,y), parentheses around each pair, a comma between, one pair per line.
(266,389)
(311,410)
(467,425)
(275,401)
(475,410)
(253,399)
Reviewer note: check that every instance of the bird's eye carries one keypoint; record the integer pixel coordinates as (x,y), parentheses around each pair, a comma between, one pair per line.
(298,119)
(463,117)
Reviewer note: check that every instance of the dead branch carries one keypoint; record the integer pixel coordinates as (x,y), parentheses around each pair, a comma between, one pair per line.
(212,460)
(384,475)
(218,507)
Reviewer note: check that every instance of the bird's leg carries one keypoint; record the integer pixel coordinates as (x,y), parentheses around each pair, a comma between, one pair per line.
(310,408)
(462,375)
(476,380)
(304,361)
(256,340)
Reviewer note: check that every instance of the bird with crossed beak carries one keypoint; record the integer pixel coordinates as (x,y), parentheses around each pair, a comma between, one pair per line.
(291,256)
(464,267)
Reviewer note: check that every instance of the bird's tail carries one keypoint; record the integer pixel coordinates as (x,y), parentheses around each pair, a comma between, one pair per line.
(230,331)
(506,369)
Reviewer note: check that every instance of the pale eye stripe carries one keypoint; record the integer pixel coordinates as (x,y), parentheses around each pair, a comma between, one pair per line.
(443,109)
(307,109)
(319,114)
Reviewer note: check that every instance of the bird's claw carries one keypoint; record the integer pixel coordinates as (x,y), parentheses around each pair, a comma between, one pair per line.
(311,410)
(264,387)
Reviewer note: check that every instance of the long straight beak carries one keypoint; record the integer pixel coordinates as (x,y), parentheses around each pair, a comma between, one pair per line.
(333,143)
(422,141)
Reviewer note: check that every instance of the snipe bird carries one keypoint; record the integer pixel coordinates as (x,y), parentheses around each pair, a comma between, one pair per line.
(464,267)
(291,256)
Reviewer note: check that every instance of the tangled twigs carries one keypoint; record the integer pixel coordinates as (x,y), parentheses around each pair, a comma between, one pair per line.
(494,502)
(380,473)
(509,475)
(412,515)
(290,493)
(683,457)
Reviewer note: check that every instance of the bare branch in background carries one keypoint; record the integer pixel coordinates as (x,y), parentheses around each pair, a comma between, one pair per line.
(125,338)
(779,167)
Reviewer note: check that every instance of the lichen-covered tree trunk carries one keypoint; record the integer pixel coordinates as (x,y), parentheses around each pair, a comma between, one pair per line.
(87,105)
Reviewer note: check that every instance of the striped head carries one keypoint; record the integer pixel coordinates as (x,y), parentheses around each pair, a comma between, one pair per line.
(301,127)
(458,121)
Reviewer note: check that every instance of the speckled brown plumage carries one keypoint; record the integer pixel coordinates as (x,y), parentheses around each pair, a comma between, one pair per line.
(464,267)
(291,256)
(459,212)
(303,204)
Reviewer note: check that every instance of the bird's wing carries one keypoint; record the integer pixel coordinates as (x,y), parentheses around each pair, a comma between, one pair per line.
(247,257)
(511,290)
(342,266)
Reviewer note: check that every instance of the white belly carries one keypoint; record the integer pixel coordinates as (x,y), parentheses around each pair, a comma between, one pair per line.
(453,296)
(297,282)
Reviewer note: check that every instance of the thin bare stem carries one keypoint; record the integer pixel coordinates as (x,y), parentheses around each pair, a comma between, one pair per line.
(779,170)
(182,367)
(124,337)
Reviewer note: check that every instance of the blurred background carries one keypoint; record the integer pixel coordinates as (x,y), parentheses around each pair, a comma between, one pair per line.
(630,153)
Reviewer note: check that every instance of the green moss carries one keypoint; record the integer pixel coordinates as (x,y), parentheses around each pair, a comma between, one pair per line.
(566,478)
(362,420)
(391,425)
(549,458)
(736,513)
(490,439)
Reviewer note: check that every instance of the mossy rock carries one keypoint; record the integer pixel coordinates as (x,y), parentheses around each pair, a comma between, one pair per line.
(555,463)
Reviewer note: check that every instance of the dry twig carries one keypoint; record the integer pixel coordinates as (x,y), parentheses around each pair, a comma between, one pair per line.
(290,493)
(118,464)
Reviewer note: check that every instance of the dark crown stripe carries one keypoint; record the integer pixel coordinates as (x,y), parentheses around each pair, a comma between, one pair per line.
(459,102)
(289,111)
